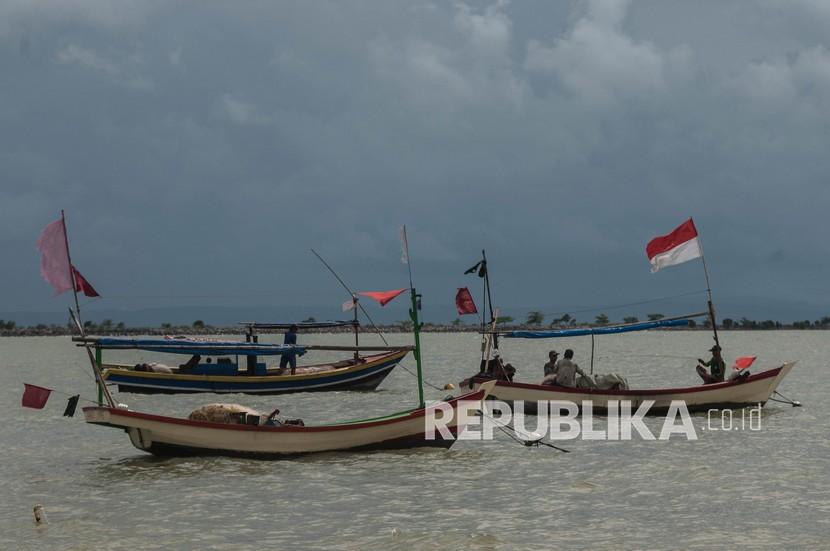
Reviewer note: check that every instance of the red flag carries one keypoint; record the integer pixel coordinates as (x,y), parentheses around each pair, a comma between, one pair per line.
(464,302)
(81,284)
(35,396)
(743,362)
(681,245)
(383,297)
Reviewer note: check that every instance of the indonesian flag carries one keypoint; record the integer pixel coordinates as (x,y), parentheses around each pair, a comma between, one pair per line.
(35,396)
(383,297)
(464,302)
(677,247)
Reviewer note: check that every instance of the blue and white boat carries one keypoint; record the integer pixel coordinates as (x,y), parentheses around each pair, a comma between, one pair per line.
(222,366)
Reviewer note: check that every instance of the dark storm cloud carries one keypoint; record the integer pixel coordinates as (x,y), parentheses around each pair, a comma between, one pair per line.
(202,149)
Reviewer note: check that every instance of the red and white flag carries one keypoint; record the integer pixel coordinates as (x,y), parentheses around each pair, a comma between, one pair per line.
(677,247)
(464,302)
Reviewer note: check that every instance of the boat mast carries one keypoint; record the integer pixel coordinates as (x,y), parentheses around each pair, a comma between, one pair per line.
(103,391)
(709,295)
(489,296)
(413,315)
(355,327)
(71,271)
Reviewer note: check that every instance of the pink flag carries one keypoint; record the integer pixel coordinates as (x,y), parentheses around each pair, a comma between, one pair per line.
(54,259)
(677,247)
(383,297)
(35,396)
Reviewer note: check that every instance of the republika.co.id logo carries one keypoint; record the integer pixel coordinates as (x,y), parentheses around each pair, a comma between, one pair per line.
(561,420)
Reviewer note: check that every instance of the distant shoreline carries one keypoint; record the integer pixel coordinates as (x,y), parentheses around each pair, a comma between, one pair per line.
(58,330)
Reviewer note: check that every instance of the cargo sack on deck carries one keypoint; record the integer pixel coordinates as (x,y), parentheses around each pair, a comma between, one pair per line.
(610,381)
(229,414)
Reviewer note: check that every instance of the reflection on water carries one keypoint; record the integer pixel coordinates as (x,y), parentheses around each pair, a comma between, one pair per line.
(765,489)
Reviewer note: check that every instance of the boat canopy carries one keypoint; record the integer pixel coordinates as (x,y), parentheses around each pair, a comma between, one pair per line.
(300,325)
(608,330)
(191,346)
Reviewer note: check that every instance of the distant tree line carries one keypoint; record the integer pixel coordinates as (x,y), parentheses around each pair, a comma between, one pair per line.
(534,319)
(537,319)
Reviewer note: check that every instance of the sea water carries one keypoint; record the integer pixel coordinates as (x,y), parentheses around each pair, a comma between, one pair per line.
(764,489)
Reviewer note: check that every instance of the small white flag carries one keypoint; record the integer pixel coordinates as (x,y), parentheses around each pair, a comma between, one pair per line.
(349,304)
(404,246)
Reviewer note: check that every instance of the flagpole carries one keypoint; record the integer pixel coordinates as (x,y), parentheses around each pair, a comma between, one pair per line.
(489,296)
(413,315)
(71,271)
(709,294)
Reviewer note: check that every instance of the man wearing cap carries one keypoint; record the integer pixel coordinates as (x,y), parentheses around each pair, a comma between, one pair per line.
(290,357)
(716,366)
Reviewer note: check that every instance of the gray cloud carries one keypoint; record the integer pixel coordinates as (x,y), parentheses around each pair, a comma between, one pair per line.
(199,147)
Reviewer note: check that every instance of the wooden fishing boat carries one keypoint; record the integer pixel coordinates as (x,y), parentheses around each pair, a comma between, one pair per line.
(255,435)
(747,390)
(363,374)
(750,391)
(167,436)
(217,367)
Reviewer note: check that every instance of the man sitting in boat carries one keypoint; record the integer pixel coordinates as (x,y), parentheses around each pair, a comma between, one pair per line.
(291,357)
(565,371)
(716,366)
(550,367)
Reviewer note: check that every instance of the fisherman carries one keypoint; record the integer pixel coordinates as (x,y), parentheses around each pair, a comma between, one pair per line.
(290,357)
(550,367)
(566,370)
(716,366)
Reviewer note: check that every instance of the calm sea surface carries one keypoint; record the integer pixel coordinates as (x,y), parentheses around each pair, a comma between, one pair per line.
(762,490)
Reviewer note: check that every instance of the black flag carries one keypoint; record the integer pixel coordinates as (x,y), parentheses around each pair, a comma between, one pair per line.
(71,405)
(481,266)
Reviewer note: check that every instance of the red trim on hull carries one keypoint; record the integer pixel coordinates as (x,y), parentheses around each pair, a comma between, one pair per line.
(414,414)
(405,442)
(643,392)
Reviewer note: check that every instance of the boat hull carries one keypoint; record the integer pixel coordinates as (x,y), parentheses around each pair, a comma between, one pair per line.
(167,436)
(364,376)
(755,389)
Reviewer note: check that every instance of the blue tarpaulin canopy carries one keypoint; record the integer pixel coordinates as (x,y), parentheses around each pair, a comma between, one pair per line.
(194,346)
(300,324)
(642,326)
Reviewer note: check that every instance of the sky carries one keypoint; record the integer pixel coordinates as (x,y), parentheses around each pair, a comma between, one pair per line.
(201,149)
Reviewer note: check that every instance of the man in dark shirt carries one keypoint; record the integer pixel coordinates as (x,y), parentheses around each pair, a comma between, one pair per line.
(716,366)
(291,357)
